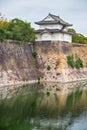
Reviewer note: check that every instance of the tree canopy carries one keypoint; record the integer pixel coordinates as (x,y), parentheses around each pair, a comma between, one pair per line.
(77,38)
(16,30)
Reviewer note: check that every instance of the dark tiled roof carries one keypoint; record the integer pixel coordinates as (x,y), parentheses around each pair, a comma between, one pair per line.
(52,31)
(56,20)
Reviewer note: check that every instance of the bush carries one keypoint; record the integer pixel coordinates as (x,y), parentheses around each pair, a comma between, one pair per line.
(70,61)
(48,68)
(38,78)
(34,54)
(79,63)
(48,93)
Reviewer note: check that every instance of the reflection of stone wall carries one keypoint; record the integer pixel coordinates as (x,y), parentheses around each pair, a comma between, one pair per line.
(55,87)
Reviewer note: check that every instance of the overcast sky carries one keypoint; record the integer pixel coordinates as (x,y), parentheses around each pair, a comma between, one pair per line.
(72,11)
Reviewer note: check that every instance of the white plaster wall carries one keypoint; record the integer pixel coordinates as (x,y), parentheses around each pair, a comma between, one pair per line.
(46,37)
(67,37)
(57,36)
(54,37)
(38,37)
(58,26)
(62,37)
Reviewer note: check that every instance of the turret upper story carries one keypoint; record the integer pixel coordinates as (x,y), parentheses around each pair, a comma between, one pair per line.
(53,28)
(53,22)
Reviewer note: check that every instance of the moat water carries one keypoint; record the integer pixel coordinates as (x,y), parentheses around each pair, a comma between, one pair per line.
(30,109)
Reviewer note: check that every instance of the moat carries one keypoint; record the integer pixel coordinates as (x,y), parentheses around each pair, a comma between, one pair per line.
(30,108)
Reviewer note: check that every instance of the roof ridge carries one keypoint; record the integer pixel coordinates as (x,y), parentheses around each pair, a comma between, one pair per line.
(53,15)
(55,18)
(58,17)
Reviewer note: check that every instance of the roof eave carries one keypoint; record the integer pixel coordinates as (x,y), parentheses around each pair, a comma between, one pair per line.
(69,25)
(44,23)
(52,31)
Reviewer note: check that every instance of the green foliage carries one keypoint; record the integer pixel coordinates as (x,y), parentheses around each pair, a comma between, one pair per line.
(74,63)
(3,21)
(79,63)
(19,31)
(34,54)
(77,38)
(70,61)
(48,93)
(35,62)
(38,78)
(2,34)
(71,30)
(48,67)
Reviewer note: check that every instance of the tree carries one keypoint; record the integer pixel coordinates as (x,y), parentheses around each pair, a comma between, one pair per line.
(21,31)
(2,35)
(3,23)
(72,30)
(16,30)
(77,38)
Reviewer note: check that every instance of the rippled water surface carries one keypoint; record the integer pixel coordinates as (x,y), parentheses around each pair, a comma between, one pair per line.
(31,109)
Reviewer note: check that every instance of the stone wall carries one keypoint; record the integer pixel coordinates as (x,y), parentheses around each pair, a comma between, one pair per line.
(17,62)
(55,55)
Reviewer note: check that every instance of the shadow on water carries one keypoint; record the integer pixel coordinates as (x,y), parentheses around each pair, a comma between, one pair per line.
(34,110)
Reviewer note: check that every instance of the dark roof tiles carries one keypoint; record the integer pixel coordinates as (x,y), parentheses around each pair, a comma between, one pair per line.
(52,31)
(54,20)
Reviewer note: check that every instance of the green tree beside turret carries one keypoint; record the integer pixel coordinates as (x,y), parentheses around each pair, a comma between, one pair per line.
(16,30)
(77,38)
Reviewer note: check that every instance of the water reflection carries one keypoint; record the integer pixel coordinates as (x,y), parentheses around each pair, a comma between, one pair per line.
(31,109)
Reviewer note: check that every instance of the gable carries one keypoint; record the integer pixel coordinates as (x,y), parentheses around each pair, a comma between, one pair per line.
(52,19)
(48,18)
